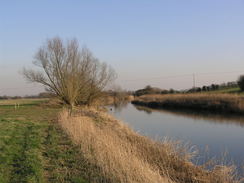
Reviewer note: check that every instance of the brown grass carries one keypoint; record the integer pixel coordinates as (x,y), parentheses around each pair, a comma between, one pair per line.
(122,156)
(229,103)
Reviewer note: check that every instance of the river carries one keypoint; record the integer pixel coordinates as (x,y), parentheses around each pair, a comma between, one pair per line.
(214,136)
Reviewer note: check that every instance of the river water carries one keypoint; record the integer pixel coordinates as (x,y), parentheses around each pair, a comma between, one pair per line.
(214,136)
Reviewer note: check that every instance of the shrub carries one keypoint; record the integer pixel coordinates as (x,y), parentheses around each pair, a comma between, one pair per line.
(241,82)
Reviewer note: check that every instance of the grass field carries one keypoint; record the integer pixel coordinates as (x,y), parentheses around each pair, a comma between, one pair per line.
(235,90)
(33,148)
(22,101)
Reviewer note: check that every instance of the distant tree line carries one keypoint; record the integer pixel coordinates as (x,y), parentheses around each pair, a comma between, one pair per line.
(148,90)
(5,97)
(153,90)
(234,84)
(40,95)
(213,87)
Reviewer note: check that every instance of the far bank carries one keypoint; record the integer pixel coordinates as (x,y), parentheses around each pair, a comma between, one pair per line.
(216,103)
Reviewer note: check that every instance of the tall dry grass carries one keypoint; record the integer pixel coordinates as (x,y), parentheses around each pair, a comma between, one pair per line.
(103,148)
(119,155)
(230,103)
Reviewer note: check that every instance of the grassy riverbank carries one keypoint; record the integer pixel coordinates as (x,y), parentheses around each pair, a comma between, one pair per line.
(89,146)
(217,103)
(115,153)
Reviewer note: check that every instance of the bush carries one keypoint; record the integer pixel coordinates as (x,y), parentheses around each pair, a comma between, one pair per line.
(241,82)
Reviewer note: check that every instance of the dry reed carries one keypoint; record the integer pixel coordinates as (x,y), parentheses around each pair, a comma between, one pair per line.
(227,103)
(121,155)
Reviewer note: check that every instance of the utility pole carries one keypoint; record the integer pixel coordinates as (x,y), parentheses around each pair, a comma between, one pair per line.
(194,81)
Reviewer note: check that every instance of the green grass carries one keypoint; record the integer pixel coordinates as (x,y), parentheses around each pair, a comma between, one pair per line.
(33,149)
(228,90)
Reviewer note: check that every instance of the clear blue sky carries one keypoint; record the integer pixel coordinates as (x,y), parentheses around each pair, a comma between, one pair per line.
(144,41)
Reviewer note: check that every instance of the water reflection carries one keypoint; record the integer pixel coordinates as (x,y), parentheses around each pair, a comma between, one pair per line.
(119,105)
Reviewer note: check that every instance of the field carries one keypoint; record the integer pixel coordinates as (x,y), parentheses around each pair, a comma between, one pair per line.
(234,90)
(13,102)
(32,147)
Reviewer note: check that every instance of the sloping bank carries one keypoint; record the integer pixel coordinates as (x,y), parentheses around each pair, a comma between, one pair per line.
(220,103)
(114,153)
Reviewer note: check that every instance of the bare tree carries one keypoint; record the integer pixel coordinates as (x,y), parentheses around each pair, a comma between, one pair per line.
(72,74)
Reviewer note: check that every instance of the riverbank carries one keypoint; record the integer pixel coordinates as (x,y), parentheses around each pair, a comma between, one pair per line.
(89,146)
(115,153)
(216,103)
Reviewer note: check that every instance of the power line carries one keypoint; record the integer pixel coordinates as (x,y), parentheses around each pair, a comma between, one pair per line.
(227,72)
(194,81)
(160,77)
(183,75)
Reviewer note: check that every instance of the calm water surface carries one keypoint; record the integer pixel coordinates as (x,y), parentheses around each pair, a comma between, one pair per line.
(213,135)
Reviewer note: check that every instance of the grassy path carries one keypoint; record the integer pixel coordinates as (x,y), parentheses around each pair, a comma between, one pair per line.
(33,148)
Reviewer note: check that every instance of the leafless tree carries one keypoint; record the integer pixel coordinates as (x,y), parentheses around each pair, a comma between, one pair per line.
(119,95)
(72,74)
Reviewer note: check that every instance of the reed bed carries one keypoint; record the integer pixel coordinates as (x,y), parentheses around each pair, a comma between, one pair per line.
(221,103)
(117,154)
